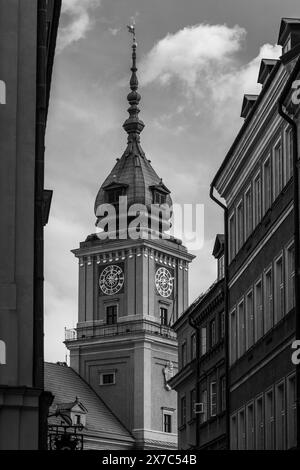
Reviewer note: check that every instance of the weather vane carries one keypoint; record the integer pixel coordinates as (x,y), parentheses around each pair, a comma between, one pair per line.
(131,29)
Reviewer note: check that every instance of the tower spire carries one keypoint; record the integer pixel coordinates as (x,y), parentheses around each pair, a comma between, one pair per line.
(133,125)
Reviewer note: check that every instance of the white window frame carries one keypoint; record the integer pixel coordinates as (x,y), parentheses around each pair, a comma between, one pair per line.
(277,316)
(291,410)
(248,228)
(213,401)
(266,207)
(278,142)
(261,313)
(288,153)
(249,320)
(203,349)
(241,432)
(257,216)
(239,225)
(232,243)
(240,353)
(250,444)
(233,341)
(259,426)
(290,277)
(280,416)
(270,420)
(270,300)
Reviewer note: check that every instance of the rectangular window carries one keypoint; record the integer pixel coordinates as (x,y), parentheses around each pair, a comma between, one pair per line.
(257,199)
(290,278)
(267,179)
(107,378)
(250,319)
(164,316)
(212,330)
(240,225)
(78,419)
(278,169)
(233,433)
(279,289)
(167,423)
(289,153)
(291,412)
(241,330)
(241,430)
(222,324)
(233,337)
(183,411)
(159,198)
(231,234)
(213,398)
(250,427)
(270,420)
(221,268)
(223,393)
(193,346)
(248,213)
(203,416)
(183,354)
(111,314)
(268,300)
(203,341)
(280,417)
(192,403)
(258,311)
(259,424)
(113,195)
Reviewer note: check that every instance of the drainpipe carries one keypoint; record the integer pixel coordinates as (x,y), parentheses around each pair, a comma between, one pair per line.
(193,325)
(226,308)
(293,125)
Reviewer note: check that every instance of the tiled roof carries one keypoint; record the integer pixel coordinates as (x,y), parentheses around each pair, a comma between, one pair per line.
(136,172)
(65,384)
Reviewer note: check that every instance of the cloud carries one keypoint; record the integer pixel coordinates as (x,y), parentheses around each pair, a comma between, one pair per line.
(201,64)
(192,50)
(78,19)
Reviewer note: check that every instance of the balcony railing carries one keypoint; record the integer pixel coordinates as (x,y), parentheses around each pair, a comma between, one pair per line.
(120,329)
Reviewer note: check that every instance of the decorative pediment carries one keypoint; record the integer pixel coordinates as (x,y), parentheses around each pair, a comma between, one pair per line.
(248,102)
(266,66)
(161,188)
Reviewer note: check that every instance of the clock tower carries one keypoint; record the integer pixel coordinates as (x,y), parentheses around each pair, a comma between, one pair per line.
(131,289)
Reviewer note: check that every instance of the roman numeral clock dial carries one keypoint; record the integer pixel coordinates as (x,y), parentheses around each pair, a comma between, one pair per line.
(164,282)
(111,280)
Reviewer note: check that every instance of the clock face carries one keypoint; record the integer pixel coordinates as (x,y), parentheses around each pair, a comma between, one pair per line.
(164,282)
(111,280)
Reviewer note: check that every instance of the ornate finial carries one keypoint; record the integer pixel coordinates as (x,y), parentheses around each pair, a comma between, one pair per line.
(133,126)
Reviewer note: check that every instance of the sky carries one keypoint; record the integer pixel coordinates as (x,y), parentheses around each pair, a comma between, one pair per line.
(196,60)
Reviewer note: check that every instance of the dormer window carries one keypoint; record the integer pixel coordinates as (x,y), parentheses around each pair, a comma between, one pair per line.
(288,45)
(113,195)
(159,198)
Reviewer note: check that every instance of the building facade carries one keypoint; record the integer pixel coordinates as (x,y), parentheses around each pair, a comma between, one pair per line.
(131,289)
(201,380)
(257,180)
(26,57)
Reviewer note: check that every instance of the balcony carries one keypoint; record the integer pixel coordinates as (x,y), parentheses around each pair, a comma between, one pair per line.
(120,329)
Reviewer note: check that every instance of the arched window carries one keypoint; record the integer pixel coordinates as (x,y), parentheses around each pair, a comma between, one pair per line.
(2,353)
(2,92)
